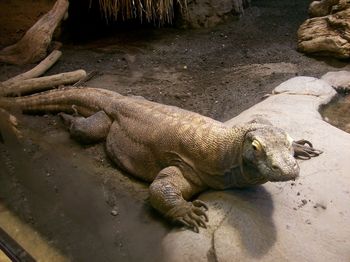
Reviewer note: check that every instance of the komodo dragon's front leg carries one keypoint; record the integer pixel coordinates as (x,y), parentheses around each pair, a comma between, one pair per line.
(170,189)
(168,194)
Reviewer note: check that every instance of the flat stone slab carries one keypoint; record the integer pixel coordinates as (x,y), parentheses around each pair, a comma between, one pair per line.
(303,220)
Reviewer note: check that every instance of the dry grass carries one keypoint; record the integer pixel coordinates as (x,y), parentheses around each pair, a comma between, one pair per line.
(156,11)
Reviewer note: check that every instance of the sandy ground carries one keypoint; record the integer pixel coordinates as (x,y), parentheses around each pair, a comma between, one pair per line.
(71,195)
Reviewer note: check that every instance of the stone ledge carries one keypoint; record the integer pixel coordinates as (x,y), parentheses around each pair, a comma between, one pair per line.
(305,220)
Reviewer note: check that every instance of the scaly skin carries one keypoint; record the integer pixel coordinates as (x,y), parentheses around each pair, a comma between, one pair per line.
(180,153)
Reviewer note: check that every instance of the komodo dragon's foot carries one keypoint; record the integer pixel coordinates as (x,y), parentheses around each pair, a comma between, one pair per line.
(303,149)
(87,130)
(190,214)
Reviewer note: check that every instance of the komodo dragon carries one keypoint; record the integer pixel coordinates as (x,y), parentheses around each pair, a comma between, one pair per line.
(179,152)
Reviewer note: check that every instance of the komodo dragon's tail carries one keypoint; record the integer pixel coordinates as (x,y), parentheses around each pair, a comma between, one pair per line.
(86,100)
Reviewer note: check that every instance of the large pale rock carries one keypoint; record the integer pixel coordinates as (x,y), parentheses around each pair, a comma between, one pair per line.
(339,79)
(305,85)
(305,220)
(326,35)
(208,13)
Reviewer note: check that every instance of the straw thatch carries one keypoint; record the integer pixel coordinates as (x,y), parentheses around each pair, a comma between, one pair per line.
(156,11)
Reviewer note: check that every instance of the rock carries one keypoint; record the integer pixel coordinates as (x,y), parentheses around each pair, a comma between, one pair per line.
(308,221)
(304,85)
(114,212)
(326,35)
(317,205)
(322,8)
(250,224)
(339,79)
(208,13)
(347,127)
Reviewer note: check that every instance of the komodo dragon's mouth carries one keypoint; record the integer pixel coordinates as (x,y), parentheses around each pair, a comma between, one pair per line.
(283,179)
(286,177)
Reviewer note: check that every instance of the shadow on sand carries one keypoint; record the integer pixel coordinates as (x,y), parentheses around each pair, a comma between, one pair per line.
(63,196)
(251,216)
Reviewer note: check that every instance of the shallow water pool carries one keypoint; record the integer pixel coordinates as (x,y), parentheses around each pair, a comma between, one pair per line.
(337,113)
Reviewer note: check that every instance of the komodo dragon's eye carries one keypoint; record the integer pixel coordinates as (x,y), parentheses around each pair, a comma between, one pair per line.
(256,145)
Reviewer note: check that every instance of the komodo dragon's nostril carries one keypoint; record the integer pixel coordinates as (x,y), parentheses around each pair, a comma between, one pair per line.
(296,166)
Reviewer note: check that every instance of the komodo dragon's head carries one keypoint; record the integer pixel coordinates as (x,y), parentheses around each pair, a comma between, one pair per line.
(270,150)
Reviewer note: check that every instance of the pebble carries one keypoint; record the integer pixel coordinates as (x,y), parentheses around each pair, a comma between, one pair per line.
(320,205)
(114,212)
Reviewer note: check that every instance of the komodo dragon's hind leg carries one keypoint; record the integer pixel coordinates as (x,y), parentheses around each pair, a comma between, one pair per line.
(303,149)
(91,129)
(168,193)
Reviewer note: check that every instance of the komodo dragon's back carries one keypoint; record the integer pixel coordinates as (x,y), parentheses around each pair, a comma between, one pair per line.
(180,152)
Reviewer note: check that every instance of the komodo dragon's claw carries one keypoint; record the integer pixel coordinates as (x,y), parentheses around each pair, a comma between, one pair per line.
(191,215)
(199,203)
(303,149)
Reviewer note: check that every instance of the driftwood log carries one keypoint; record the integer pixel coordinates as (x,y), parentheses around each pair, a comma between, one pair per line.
(22,87)
(31,81)
(27,82)
(34,44)
(329,34)
(38,70)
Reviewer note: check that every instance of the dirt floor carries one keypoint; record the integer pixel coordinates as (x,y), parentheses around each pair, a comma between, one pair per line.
(71,195)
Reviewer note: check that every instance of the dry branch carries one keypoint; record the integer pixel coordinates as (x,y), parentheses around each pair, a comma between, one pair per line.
(34,44)
(88,77)
(38,70)
(18,88)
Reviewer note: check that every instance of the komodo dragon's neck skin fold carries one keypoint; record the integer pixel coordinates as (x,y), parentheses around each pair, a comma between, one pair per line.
(179,152)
